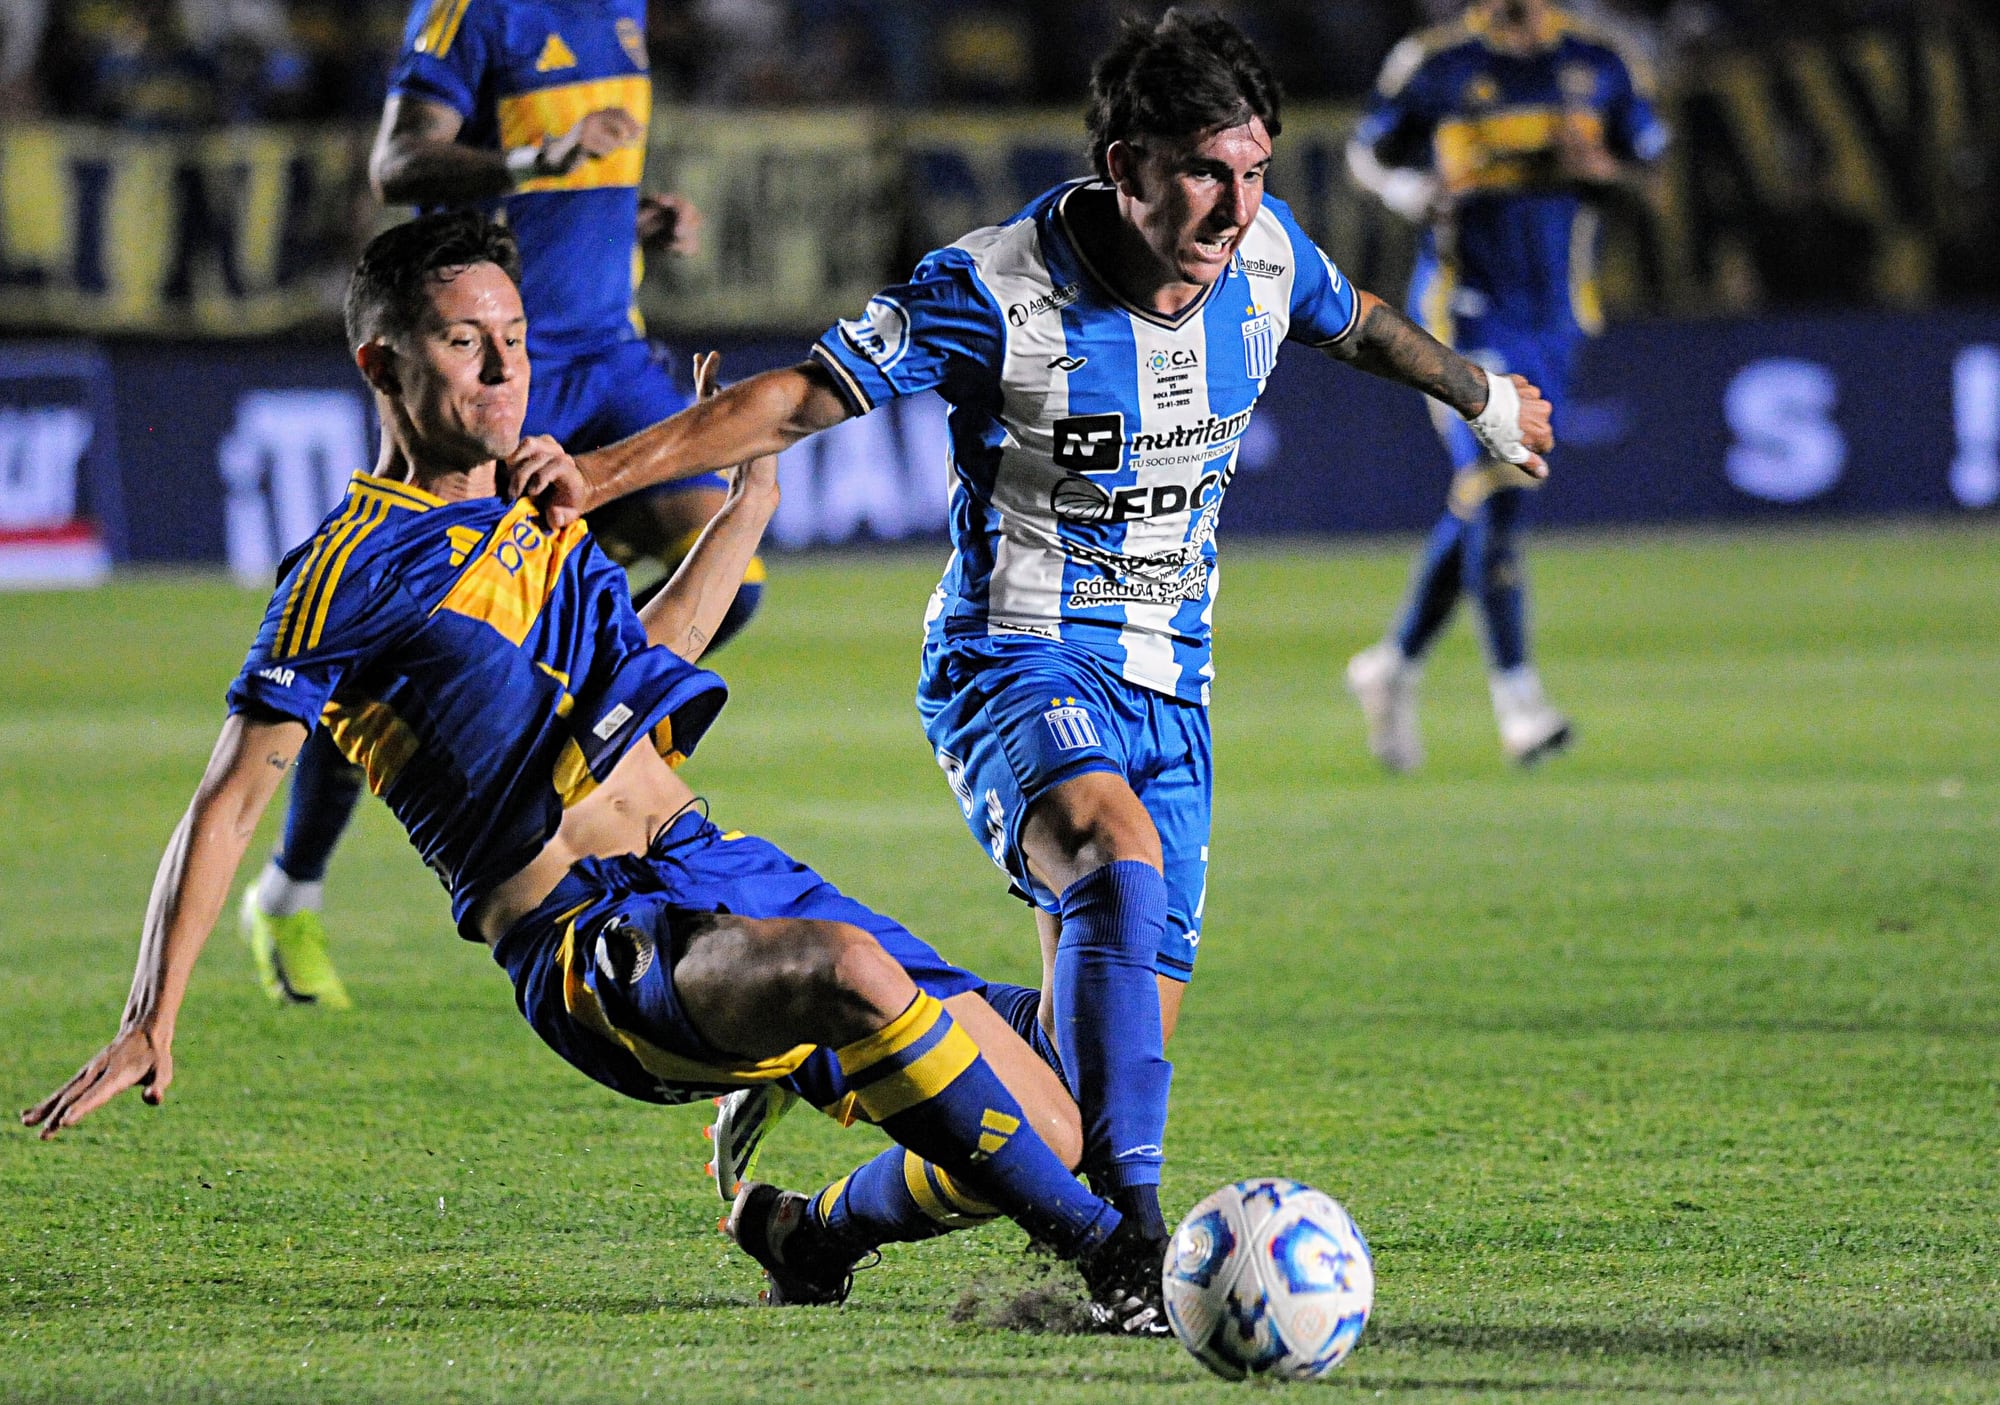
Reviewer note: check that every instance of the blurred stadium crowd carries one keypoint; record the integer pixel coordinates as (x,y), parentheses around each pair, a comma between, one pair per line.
(179,65)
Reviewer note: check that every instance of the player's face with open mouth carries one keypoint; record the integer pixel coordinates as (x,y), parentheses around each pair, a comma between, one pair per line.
(467,388)
(1200,198)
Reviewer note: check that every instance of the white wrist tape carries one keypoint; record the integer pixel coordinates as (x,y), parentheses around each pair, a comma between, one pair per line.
(1498,426)
(524,163)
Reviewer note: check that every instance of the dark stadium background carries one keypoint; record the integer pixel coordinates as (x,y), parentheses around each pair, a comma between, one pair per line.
(1804,324)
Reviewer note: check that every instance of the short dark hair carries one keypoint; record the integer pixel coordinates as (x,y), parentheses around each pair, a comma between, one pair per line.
(1190,73)
(387,293)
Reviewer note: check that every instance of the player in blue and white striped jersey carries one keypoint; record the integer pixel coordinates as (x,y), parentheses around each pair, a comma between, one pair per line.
(1101,353)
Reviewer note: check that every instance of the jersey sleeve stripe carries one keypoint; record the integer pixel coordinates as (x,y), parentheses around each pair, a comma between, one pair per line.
(1353,321)
(442,27)
(844,384)
(305,586)
(378,511)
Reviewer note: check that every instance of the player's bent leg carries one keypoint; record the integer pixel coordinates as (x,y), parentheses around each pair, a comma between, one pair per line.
(1091,839)
(759,988)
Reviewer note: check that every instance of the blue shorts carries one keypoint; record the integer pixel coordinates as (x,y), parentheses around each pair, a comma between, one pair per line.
(588,401)
(628,1031)
(1011,717)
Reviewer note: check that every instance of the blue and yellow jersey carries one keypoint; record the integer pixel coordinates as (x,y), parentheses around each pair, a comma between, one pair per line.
(485,672)
(519,71)
(1520,243)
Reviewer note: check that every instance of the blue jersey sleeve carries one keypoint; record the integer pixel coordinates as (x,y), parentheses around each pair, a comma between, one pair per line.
(940,331)
(1632,128)
(1401,119)
(325,618)
(1325,306)
(445,53)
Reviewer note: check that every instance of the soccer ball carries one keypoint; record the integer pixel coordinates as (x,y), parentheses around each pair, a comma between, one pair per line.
(1269,1278)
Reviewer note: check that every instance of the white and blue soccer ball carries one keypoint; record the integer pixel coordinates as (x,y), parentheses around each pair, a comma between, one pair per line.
(1269,1278)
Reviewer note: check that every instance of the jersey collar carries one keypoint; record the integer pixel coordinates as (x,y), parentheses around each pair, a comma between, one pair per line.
(1110,289)
(408,494)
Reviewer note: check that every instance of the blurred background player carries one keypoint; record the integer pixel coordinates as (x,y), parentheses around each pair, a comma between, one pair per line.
(1495,133)
(1101,354)
(537,108)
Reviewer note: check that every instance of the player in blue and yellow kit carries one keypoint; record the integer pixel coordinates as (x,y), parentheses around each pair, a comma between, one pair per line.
(1495,133)
(486,668)
(538,109)
(1102,354)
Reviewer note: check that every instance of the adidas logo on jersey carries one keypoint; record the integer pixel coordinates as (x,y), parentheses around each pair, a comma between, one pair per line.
(555,55)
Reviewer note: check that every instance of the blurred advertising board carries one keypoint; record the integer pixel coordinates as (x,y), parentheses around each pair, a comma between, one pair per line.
(228,454)
(225,234)
(60,507)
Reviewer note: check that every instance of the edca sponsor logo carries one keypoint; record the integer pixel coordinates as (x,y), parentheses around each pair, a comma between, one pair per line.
(1051,301)
(1184,358)
(1080,500)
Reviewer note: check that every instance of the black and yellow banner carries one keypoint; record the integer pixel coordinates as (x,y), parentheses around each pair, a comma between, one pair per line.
(233,233)
(1862,170)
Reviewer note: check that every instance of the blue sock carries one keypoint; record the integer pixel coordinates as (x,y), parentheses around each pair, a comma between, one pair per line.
(1434,592)
(897,1198)
(921,1079)
(1021,1007)
(1108,1021)
(325,787)
(1493,571)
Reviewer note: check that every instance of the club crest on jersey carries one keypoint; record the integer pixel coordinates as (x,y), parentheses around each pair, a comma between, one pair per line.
(881,333)
(1260,346)
(1090,443)
(1071,726)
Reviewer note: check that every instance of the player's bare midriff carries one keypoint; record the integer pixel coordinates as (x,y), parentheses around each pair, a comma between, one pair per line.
(621,816)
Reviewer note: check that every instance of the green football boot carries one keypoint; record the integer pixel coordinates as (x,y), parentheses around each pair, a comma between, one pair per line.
(292,964)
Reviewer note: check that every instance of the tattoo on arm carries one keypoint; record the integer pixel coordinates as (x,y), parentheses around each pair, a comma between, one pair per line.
(1390,345)
(277,761)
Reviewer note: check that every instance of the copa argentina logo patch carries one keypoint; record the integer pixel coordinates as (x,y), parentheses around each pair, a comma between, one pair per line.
(881,333)
(1071,726)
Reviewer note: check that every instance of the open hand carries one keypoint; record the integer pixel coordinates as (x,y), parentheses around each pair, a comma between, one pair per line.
(541,471)
(135,1056)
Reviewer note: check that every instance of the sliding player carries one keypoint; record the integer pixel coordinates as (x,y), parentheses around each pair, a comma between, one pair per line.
(539,108)
(487,669)
(1495,133)
(1101,354)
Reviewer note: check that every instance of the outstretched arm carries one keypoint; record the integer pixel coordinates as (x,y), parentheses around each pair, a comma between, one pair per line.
(685,615)
(1507,414)
(753,418)
(249,760)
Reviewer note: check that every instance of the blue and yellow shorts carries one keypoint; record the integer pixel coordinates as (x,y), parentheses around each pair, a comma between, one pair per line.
(593,965)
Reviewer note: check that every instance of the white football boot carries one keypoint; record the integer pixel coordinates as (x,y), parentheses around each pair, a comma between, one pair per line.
(1530,726)
(1384,682)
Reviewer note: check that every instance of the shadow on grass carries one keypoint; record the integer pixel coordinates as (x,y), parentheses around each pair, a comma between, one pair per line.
(1958,1347)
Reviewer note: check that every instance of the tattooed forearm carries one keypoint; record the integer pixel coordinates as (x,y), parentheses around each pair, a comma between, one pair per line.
(1390,345)
(277,761)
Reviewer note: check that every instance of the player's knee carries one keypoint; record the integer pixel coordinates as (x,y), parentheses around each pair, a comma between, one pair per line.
(1086,823)
(834,979)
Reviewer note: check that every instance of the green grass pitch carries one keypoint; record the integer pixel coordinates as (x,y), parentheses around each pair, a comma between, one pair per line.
(1670,1071)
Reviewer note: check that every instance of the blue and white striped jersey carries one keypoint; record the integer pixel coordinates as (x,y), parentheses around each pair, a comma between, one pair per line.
(1091,439)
